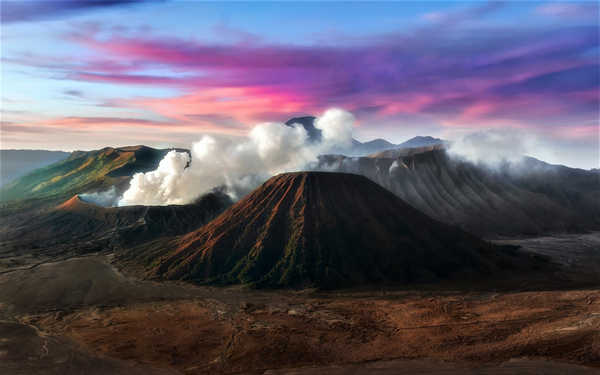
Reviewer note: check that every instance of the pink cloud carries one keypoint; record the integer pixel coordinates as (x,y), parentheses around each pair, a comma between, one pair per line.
(578,132)
(522,77)
(246,105)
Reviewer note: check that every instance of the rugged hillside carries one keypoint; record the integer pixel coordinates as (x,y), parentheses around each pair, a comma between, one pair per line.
(16,163)
(78,226)
(327,230)
(527,198)
(83,171)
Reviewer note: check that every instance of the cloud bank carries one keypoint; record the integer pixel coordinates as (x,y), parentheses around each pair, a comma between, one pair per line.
(492,147)
(542,77)
(240,166)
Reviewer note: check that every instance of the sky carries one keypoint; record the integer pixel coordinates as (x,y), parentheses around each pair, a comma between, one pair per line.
(89,74)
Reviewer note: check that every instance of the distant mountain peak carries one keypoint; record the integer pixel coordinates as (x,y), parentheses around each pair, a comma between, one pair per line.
(379,141)
(421,141)
(363,148)
(308,123)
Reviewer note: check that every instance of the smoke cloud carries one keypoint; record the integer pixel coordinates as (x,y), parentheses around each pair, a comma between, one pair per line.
(107,198)
(239,166)
(492,147)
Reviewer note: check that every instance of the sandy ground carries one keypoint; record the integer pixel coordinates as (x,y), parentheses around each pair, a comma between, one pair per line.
(24,351)
(210,336)
(430,367)
(82,315)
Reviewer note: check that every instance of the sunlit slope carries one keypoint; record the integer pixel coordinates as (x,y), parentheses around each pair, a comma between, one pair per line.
(84,171)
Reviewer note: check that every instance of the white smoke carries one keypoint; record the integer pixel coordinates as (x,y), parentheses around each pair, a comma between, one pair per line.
(336,128)
(240,166)
(159,187)
(107,198)
(492,147)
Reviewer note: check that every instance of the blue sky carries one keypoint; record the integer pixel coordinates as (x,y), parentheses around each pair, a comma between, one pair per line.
(81,75)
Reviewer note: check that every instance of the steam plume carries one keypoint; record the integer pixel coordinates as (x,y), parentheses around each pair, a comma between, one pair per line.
(491,147)
(240,166)
(107,198)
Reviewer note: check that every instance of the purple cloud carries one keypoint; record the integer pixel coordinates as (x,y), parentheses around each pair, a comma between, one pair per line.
(454,75)
(449,74)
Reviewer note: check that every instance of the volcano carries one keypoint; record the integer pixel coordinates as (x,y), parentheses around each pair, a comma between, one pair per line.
(135,224)
(80,227)
(326,230)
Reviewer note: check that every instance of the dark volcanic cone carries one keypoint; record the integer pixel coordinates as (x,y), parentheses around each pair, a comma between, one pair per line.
(326,230)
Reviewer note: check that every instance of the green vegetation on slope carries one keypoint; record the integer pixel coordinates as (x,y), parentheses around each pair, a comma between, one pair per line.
(83,171)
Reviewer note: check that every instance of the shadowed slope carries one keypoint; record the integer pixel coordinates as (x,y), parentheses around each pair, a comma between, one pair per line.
(327,230)
(528,198)
(78,226)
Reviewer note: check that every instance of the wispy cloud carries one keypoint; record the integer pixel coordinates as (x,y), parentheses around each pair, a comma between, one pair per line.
(33,10)
(572,10)
(454,17)
(440,75)
(77,123)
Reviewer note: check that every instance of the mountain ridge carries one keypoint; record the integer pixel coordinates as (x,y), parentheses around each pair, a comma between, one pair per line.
(84,171)
(528,199)
(359,148)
